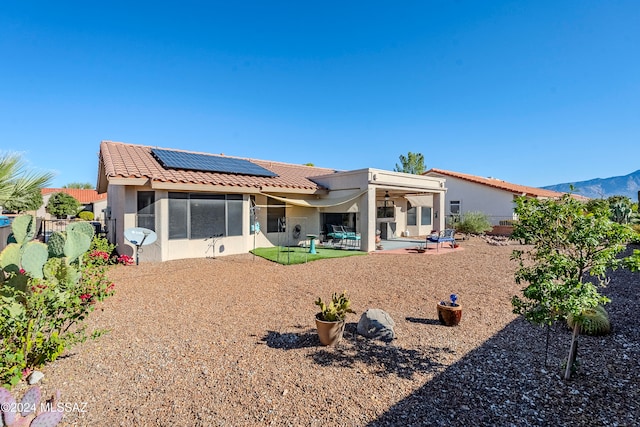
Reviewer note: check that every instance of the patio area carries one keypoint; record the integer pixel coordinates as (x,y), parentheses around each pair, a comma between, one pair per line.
(415,245)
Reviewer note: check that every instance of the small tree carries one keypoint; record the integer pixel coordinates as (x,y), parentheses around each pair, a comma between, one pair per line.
(62,204)
(411,163)
(569,243)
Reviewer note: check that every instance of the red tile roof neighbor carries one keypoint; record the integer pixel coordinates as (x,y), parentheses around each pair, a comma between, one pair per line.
(83,196)
(503,185)
(122,160)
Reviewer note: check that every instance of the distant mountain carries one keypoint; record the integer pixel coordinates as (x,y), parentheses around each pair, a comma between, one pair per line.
(598,188)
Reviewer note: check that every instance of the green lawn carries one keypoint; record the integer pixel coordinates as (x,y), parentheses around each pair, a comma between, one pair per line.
(295,255)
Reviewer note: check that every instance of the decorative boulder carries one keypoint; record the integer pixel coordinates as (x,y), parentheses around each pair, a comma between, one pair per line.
(376,324)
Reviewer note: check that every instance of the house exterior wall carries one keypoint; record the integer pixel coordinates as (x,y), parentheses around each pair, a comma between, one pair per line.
(371,183)
(419,229)
(494,202)
(98,209)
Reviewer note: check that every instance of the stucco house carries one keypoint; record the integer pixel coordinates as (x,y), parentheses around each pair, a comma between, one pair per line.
(187,198)
(494,197)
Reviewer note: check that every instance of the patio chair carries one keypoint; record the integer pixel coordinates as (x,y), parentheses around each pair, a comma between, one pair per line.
(352,238)
(337,234)
(446,235)
(342,237)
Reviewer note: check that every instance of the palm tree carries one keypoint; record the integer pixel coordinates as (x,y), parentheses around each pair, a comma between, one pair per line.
(16,181)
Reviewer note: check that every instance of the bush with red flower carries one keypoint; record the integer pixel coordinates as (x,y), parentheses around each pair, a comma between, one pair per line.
(47,292)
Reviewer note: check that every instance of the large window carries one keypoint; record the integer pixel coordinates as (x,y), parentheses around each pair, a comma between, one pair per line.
(201,215)
(147,210)
(412,214)
(425,216)
(276,214)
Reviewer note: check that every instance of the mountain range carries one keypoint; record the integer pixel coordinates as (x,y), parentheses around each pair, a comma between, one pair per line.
(601,188)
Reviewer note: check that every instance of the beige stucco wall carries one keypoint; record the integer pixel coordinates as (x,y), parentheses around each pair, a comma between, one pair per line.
(122,202)
(496,203)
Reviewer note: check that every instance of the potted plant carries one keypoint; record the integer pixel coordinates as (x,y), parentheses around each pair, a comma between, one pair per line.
(330,320)
(449,313)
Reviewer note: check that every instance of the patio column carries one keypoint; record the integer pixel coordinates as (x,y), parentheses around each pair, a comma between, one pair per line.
(368,220)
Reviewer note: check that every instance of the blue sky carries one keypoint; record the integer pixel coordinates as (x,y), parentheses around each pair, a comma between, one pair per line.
(532,92)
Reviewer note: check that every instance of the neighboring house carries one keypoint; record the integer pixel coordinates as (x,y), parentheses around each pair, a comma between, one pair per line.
(494,197)
(89,199)
(186,198)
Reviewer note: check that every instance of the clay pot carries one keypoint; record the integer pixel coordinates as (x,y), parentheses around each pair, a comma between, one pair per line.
(449,315)
(330,333)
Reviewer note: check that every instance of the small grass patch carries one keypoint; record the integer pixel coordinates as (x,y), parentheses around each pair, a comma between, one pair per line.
(295,255)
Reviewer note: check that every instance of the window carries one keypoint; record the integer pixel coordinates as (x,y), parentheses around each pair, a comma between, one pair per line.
(412,216)
(275,211)
(178,215)
(201,215)
(454,207)
(425,216)
(146,210)
(385,209)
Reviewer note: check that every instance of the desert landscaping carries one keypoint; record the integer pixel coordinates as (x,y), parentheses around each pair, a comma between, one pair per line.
(231,341)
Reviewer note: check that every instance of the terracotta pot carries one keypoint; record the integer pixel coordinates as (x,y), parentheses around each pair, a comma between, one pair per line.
(448,315)
(330,333)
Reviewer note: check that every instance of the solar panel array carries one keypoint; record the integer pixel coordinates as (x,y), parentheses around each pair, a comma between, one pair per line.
(207,163)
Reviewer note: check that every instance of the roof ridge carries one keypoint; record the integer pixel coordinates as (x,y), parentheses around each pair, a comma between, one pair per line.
(496,182)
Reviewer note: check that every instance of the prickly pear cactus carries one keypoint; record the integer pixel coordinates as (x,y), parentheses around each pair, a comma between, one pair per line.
(34,255)
(56,244)
(23,228)
(82,227)
(29,257)
(76,244)
(59,272)
(10,258)
(29,405)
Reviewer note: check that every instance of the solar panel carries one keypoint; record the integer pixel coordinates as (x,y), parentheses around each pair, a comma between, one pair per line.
(208,163)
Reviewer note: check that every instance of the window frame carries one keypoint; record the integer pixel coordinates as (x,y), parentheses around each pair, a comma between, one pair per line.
(229,227)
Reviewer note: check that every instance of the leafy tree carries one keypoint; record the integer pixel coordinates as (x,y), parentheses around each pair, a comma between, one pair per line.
(411,163)
(16,182)
(79,185)
(29,202)
(570,243)
(62,204)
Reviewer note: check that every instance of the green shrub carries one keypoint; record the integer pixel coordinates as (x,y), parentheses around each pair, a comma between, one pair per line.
(62,204)
(474,223)
(86,216)
(46,295)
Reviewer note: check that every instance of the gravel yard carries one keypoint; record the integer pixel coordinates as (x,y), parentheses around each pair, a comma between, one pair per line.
(231,342)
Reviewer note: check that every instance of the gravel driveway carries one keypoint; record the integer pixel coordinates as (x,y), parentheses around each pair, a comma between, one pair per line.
(231,342)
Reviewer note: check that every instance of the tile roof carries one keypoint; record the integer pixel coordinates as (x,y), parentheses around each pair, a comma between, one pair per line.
(123,160)
(81,195)
(503,185)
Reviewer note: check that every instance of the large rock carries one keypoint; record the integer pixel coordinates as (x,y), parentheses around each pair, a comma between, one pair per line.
(376,324)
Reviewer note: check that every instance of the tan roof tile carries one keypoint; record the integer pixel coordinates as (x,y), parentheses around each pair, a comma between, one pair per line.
(503,185)
(124,160)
